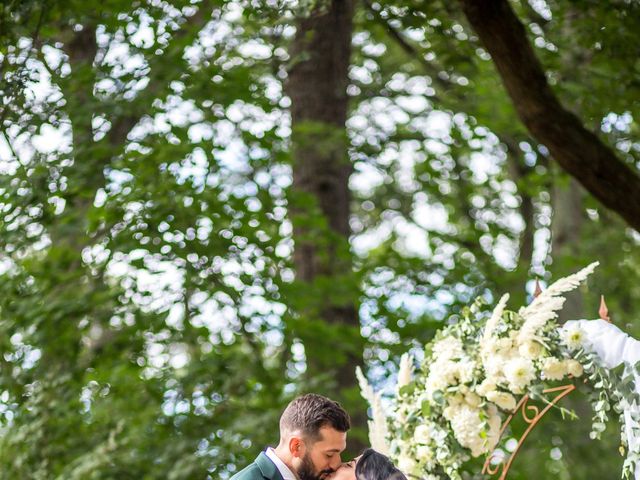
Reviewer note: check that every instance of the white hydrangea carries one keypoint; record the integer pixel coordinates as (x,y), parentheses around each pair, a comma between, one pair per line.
(472,432)
(448,348)
(450,370)
(495,355)
(467,427)
(459,401)
(494,368)
(445,371)
(466,369)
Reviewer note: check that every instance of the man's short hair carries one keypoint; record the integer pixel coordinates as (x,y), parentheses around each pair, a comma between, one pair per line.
(311,412)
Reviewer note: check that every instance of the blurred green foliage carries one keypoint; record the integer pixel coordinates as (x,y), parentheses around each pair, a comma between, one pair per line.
(148,307)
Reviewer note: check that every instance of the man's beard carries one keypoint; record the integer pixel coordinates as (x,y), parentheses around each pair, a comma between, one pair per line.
(307,470)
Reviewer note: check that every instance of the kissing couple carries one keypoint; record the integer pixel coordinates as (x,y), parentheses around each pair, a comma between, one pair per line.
(313,435)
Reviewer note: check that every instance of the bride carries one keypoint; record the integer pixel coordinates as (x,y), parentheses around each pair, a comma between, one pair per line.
(371,465)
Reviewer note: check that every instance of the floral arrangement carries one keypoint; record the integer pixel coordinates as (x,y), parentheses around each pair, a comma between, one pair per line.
(472,376)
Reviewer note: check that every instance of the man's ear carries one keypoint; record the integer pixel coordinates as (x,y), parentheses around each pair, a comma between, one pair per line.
(296,447)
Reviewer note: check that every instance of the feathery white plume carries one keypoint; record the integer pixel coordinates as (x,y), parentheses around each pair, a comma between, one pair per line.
(492,323)
(546,305)
(378,431)
(405,372)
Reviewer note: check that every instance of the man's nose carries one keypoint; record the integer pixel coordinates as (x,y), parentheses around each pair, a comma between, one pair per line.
(336,462)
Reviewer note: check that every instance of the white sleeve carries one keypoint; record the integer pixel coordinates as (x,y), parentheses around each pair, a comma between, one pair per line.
(614,347)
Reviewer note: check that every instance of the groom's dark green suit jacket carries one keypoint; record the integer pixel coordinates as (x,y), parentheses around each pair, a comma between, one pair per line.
(262,468)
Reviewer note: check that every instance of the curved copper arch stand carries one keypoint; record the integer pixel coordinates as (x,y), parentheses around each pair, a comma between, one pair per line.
(531,414)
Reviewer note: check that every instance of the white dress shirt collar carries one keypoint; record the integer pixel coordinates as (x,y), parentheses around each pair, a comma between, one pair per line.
(286,473)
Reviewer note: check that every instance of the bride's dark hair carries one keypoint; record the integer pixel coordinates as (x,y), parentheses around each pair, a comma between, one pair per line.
(376,466)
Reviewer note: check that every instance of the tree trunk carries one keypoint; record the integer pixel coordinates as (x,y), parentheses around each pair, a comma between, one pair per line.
(320,198)
(566,229)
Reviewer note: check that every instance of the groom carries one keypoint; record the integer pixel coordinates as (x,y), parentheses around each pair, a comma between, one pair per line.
(313,434)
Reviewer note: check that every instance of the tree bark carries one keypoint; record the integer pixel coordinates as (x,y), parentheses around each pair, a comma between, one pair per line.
(578,151)
(566,232)
(320,199)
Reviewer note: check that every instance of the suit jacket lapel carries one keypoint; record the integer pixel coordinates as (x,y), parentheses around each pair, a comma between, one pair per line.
(268,468)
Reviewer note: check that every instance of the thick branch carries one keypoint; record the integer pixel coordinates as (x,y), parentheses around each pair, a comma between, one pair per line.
(578,151)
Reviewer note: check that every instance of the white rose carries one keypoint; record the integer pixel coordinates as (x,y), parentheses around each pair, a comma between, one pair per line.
(454,404)
(519,372)
(424,454)
(504,400)
(456,400)
(450,412)
(472,400)
(422,434)
(554,369)
(485,387)
(574,368)
(530,349)
(406,464)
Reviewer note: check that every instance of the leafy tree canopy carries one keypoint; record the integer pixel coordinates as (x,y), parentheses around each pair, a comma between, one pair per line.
(152,324)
